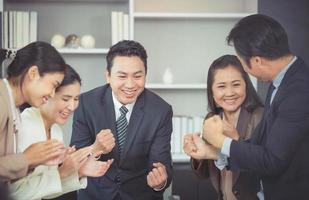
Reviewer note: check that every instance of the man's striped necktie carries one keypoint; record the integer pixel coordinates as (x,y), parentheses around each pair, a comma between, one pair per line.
(121,127)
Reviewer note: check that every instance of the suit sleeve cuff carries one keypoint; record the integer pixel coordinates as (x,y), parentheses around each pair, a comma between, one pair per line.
(225,150)
(222,161)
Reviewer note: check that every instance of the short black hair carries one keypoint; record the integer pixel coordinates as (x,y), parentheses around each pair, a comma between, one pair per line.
(252,100)
(259,35)
(126,48)
(70,77)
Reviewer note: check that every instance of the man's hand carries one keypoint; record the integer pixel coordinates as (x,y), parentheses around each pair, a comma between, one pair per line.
(42,152)
(157,178)
(213,131)
(105,142)
(230,131)
(195,147)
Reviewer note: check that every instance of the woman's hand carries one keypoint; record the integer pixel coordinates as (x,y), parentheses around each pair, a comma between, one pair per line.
(74,161)
(94,168)
(51,152)
(195,147)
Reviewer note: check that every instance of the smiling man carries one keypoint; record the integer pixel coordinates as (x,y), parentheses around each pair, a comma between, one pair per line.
(128,123)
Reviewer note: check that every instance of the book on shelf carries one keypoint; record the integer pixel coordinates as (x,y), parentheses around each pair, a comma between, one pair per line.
(183,125)
(5,37)
(33,26)
(119,26)
(19,29)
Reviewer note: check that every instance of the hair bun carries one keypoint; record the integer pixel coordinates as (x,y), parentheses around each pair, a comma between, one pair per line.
(10,54)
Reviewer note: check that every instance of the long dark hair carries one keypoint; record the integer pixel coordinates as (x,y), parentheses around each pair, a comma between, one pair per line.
(252,100)
(40,54)
(70,76)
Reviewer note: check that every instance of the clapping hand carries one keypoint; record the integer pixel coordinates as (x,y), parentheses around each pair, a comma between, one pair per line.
(50,152)
(74,161)
(94,168)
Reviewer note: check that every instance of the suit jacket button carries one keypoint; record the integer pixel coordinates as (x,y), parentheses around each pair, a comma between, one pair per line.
(117,179)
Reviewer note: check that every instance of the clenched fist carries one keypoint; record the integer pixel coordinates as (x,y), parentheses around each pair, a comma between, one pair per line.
(213,131)
(105,142)
(230,131)
(195,147)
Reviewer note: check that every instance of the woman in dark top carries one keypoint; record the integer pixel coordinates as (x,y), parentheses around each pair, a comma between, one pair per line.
(232,96)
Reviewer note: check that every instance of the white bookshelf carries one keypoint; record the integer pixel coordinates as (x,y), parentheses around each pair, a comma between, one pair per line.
(83,51)
(183,35)
(175,86)
(180,157)
(153,15)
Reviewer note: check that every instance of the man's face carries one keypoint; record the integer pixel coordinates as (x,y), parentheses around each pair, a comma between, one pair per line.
(255,68)
(127,78)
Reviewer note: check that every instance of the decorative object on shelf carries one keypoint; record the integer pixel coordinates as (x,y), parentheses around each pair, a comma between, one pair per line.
(72,41)
(58,41)
(87,41)
(168,76)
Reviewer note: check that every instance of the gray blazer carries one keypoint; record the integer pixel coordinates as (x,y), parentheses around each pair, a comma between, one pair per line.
(12,166)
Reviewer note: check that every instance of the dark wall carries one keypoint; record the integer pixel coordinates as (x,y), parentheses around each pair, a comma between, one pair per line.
(294,17)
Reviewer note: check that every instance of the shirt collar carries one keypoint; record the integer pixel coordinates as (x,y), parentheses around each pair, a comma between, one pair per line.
(278,79)
(117,106)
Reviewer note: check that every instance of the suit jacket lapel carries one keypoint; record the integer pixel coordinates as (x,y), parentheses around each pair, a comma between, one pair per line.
(108,111)
(134,123)
(242,124)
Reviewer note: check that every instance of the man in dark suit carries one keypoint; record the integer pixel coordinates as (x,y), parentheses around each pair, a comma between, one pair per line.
(130,124)
(279,148)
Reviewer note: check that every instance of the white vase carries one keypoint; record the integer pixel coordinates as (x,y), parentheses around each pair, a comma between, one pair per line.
(168,76)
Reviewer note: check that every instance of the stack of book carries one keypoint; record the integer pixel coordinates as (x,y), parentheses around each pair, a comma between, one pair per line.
(19,28)
(120,26)
(183,125)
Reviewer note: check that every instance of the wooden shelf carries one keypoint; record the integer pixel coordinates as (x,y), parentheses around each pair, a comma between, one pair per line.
(83,51)
(153,15)
(176,86)
(180,157)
